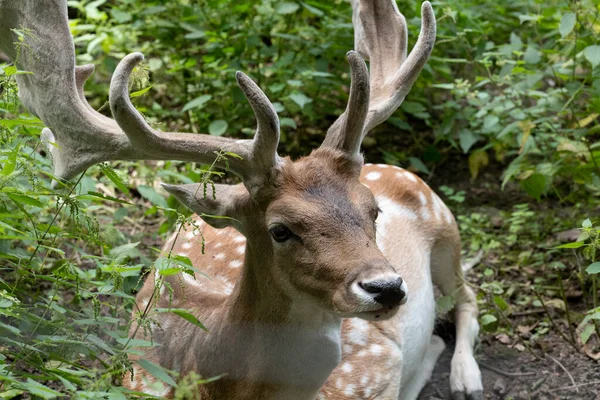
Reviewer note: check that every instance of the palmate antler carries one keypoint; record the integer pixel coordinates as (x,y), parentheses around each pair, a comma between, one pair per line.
(78,135)
(380,36)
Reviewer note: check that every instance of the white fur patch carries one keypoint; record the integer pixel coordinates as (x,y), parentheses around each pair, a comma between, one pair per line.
(220,256)
(189,235)
(410,176)
(373,176)
(235,264)
(346,367)
(239,239)
(187,246)
(376,349)
(349,391)
(241,249)
(358,333)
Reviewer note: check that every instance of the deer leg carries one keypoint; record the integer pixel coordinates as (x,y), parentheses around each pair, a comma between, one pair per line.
(414,387)
(447,274)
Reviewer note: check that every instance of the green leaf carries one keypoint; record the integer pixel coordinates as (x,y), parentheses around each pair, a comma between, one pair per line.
(301,99)
(573,245)
(501,303)
(288,122)
(313,10)
(467,140)
(592,54)
(587,223)
(586,333)
(286,7)
(185,314)
(157,372)
(488,319)
(40,390)
(21,199)
(217,127)
(120,16)
(10,70)
(114,178)
(593,268)
(150,194)
(567,23)
(532,55)
(120,253)
(444,304)
(418,165)
(198,102)
(535,185)
(140,92)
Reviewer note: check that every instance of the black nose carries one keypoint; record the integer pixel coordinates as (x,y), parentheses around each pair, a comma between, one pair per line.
(388,292)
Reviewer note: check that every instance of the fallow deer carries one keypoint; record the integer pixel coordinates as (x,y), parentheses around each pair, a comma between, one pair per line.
(323,274)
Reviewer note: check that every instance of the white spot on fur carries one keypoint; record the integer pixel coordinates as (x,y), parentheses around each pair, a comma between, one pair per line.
(349,390)
(447,215)
(339,383)
(218,244)
(183,253)
(346,367)
(189,235)
(220,256)
(228,288)
(364,380)
(383,165)
(376,349)
(368,392)
(239,239)
(392,210)
(187,246)
(220,232)
(241,249)
(191,279)
(358,333)
(424,213)
(410,176)
(373,176)
(423,198)
(235,264)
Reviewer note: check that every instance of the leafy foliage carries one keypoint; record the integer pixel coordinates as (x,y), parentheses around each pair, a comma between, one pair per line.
(512,85)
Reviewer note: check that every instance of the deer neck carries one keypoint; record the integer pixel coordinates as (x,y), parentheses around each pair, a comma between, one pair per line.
(293,345)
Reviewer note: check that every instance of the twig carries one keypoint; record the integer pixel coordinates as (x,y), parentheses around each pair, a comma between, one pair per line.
(576,386)
(504,373)
(564,369)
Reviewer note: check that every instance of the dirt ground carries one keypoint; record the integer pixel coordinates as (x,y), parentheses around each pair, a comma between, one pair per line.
(511,374)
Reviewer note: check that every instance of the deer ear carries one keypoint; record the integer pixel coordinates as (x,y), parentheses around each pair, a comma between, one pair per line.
(220,207)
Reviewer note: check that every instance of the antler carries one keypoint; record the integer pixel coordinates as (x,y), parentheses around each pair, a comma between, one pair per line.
(78,135)
(380,36)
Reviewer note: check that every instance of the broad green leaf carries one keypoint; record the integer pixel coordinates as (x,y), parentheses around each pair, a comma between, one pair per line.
(592,54)
(567,23)
(586,333)
(301,99)
(488,319)
(467,139)
(119,253)
(587,223)
(532,55)
(288,122)
(536,185)
(151,195)
(218,127)
(10,70)
(593,268)
(10,394)
(286,7)
(120,16)
(157,372)
(40,390)
(501,303)
(22,199)
(417,164)
(198,102)
(444,304)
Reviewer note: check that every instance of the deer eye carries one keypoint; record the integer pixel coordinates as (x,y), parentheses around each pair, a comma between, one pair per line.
(280,233)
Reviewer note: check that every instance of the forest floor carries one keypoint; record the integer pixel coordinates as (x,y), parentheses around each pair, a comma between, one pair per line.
(523,357)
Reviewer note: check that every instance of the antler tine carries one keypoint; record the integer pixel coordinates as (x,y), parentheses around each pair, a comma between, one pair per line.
(255,154)
(266,139)
(346,133)
(393,74)
(380,35)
